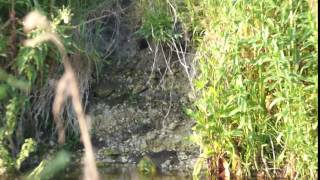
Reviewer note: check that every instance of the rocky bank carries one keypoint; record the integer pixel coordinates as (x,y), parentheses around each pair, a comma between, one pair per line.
(136,105)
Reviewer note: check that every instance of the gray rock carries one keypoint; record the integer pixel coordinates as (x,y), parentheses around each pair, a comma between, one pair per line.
(172,126)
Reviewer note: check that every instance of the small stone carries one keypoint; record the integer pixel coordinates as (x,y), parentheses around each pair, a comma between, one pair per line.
(143,144)
(163,166)
(151,136)
(51,143)
(182,156)
(123,159)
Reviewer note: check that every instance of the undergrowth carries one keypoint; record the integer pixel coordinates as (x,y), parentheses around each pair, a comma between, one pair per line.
(28,77)
(256,87)
(165,36)
(157,21)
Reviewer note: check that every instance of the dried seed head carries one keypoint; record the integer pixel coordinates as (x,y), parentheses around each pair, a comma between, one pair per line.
(35,20)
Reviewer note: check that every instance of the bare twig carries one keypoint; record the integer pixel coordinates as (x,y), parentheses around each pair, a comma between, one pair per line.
(170,104)
(154,62)
(181,53)
(273,155)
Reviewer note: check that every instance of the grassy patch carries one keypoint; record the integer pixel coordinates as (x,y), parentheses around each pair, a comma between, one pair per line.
(257,86)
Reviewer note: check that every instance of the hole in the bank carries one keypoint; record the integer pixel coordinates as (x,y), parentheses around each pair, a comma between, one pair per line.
(143,44)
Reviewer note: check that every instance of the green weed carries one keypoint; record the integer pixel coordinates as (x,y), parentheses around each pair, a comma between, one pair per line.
(257,85)
(157,22)
(26,70)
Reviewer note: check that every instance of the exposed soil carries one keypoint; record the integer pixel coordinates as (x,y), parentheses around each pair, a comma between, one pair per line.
(136,106)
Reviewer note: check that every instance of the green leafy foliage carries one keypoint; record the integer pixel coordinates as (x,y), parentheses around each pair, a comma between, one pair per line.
(28,147)
(257,80)
(157,22)
(3,91)
(2,46)
(9,164)
(12,110)
(6,161)
(257,84)
(24,72)
(48,168)
(10,122)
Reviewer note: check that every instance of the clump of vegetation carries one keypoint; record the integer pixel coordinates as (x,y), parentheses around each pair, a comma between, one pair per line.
(147,166)
(51,166)
(29,65)
(164,35)
(66,87)
(256,88)
(157,22)
(27,80)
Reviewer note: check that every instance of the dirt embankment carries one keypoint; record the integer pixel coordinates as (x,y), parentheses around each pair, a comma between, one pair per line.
(136,106)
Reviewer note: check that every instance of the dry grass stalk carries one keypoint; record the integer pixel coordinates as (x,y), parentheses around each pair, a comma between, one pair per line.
(67,87)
